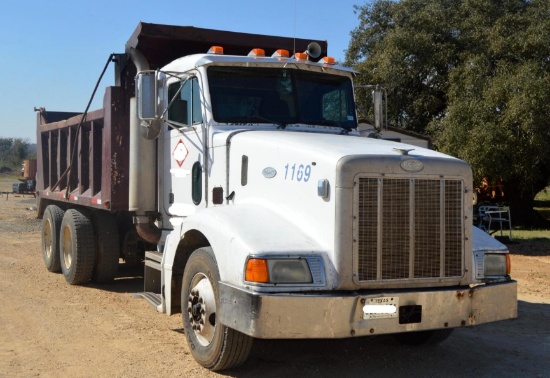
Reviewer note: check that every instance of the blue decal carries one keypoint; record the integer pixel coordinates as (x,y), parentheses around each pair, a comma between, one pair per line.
(298,172)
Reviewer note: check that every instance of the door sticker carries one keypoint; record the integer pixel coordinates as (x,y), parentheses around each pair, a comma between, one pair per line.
(180,153)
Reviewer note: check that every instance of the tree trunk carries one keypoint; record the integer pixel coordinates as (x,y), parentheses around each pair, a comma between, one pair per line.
(521,206)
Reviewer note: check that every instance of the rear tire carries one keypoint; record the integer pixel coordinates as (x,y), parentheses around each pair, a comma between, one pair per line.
(107,247)
(427,338)
(51,224)
(213,345)
(77,250)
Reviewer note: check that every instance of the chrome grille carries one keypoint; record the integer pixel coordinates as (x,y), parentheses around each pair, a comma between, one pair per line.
(408,229)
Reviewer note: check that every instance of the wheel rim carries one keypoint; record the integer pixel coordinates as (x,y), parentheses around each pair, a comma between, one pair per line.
(47,239)
(201,306)
(67,247)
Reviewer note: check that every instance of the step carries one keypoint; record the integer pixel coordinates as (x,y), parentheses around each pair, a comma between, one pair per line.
(155,300)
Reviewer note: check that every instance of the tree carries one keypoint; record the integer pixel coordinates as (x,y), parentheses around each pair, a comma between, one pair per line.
(475,75)
(12,152)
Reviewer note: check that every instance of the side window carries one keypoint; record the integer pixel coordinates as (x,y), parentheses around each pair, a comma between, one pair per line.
(186,107)
(197,113)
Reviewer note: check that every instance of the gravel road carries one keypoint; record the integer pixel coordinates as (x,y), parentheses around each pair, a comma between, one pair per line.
(51,329)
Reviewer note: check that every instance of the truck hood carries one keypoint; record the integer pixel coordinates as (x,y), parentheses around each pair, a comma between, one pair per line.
(322,145)
(281,170)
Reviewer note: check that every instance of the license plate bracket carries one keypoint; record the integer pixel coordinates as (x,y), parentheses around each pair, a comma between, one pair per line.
(381,308)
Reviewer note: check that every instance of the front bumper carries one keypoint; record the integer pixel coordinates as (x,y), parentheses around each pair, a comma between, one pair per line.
(339,315)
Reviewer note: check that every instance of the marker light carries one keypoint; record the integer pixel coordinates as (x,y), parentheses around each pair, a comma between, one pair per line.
(215,50)
(256,270)
(300,56)
(256,53)
(328,60)
(281,54)
(322,188)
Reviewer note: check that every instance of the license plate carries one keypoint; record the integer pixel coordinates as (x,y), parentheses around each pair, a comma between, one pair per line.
(381,308)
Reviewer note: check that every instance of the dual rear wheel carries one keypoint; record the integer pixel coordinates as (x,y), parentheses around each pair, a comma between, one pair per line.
(85,248)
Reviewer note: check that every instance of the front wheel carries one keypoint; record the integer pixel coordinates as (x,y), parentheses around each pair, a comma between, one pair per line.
(213,345)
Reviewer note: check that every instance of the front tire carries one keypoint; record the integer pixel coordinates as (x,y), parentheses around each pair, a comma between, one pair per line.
(77,250)
(213,345)
(51,226)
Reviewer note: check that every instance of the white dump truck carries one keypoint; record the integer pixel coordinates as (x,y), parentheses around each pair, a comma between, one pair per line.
(230,165)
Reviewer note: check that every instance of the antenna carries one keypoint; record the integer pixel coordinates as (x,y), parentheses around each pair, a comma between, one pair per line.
(294,52)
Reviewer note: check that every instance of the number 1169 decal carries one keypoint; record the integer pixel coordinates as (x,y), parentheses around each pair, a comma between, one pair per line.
(298,172)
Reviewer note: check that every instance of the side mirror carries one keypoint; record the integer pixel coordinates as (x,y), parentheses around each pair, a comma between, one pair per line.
(378,99)
(146,95)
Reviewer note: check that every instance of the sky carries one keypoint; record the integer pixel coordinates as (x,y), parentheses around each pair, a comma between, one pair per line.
(53,52)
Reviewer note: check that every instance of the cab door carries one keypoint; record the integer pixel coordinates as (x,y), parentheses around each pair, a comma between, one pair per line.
(183,187)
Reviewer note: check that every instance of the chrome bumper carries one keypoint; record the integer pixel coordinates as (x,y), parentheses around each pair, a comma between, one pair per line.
(305,316)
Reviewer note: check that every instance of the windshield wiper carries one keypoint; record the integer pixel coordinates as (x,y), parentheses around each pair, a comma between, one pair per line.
(326,122)
(254,118)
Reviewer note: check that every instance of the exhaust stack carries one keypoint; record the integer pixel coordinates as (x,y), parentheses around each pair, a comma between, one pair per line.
(142,182)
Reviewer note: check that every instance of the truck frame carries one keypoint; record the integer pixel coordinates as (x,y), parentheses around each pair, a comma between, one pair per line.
(231,166)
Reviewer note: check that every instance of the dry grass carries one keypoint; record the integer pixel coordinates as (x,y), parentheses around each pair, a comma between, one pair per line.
(7,181)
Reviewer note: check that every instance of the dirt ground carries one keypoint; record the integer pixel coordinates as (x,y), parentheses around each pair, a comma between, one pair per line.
(51,329)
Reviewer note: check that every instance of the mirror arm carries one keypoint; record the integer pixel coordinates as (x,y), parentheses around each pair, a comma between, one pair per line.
(175,95)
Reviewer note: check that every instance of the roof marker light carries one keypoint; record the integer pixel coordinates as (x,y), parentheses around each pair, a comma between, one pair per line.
(300,56)
(215,50)
(256,53)
(281,54)
(328,60)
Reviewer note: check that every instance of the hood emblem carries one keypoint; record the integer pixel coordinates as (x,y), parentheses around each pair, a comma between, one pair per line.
(412,165)
(269,172)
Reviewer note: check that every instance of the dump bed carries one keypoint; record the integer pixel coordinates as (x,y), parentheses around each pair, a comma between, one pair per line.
(99,152)
(88,165)
(161,44)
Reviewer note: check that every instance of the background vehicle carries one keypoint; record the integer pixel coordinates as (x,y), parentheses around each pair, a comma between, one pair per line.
(237,174)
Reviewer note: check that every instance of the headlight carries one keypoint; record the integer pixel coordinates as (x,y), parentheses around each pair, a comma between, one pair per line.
(496,264)
(288,271)
(280,270)
(491,265)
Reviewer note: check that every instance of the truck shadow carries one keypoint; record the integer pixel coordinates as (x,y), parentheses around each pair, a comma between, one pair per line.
(536,247)
(517,347)
(129,279)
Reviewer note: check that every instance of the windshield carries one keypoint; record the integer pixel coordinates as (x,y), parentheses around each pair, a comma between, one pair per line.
(281,96)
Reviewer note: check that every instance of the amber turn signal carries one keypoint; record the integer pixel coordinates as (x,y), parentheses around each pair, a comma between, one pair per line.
(256,270)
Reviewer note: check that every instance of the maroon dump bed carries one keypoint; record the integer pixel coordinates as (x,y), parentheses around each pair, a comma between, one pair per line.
(98,175)
(89,166)
(162,44)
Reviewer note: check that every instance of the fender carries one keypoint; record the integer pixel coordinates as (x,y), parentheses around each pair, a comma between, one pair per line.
(482,241)
(236,231)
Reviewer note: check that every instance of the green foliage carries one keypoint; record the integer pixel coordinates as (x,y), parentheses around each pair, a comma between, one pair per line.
(474,74)
(408,47)
(12,153)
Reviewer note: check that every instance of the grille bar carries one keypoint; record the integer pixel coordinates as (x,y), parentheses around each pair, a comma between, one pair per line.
(408,229)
